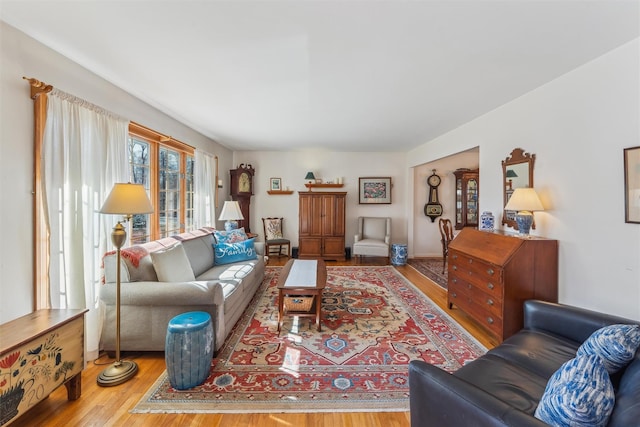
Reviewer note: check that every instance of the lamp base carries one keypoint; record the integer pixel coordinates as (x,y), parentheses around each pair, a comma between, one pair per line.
(118,373)
(524,220)
(230,225)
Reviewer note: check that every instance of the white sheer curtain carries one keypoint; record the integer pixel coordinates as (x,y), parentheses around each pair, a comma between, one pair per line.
(84,153)
(204,209)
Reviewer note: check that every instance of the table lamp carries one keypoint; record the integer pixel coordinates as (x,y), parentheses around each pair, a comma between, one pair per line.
(524,201)
(231,213)
(125,199)
(310,178)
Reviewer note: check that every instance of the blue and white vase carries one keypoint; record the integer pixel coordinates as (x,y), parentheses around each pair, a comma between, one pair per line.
(486,221)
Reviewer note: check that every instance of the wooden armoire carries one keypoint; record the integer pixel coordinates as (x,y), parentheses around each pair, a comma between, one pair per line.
(322,225)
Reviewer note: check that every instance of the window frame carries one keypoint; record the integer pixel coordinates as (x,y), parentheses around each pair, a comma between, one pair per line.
(157,141)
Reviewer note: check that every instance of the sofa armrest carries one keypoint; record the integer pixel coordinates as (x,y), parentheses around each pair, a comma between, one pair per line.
(574,323)
(438,398)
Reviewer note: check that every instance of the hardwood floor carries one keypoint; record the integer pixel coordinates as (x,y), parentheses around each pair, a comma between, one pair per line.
(110,406)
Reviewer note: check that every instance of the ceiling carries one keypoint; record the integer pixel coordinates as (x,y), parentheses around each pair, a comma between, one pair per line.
(384,75)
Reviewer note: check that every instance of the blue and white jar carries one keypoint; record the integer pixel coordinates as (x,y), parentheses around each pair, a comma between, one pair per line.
(486,221)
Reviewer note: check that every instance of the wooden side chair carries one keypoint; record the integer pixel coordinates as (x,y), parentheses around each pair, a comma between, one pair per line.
(446,234)
(273,236)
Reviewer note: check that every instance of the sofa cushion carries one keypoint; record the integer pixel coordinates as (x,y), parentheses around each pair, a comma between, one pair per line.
(232,236)
(540,352)
(615,344)
(172,265)
(227,253)
(200,253)
(579,393)
(504,380)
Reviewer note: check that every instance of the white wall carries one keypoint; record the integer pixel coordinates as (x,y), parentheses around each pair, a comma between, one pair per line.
(292,166)
(577,125)
(425,238)
(21,56)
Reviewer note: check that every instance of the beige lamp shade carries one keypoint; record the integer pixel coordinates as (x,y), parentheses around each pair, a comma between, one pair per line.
(524,199)
(127,199)
(231,211)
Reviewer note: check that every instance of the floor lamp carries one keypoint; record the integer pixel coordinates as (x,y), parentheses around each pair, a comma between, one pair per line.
(128,200)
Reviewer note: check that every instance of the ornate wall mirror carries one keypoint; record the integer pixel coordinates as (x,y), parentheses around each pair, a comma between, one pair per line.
(517,172)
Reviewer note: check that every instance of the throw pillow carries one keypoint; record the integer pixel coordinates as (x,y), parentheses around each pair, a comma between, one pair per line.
(227,253)
(233,236)
(615,344)
(273,228)
(172,265)
(578,393)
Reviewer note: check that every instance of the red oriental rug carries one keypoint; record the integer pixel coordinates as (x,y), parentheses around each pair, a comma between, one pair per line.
(374,322)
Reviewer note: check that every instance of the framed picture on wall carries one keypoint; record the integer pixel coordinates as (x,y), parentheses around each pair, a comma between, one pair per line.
(275,184)
(632,185)
(374,190)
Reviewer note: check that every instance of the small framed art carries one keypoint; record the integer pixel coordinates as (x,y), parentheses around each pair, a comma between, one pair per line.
(632,185)
(275,184)
(374,190)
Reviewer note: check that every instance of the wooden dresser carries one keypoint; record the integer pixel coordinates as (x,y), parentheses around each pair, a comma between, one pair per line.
(491,274)
(322,225)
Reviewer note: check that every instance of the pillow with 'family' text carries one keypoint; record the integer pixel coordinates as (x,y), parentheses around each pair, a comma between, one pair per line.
(615,344)
(579,393)
(227,253)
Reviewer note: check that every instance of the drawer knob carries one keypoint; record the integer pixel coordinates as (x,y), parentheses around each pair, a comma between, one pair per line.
(470,261)
(468,286)
(455,268)
(454,256)
(489,301)
(454,280)
(490,320)
(490,285)
(454,295)
(490,271)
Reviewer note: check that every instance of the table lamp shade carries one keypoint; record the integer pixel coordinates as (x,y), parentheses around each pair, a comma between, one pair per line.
(524,199)
(231,211)
(310,176)
(127,199)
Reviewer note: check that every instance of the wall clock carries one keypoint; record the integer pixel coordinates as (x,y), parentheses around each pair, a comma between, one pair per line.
(241,189)
(433,208)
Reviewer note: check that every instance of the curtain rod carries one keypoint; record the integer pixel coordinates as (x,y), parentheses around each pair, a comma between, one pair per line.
(38,87)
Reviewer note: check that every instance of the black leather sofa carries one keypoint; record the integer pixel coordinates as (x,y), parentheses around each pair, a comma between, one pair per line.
(503,387)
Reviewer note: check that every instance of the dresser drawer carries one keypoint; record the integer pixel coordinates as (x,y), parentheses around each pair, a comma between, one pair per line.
(483,316)
(459,288)
(485,276)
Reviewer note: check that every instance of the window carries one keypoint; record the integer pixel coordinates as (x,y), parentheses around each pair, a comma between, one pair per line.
(165,167)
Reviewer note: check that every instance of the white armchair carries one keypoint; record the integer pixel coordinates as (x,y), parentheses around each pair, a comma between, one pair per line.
(373,238)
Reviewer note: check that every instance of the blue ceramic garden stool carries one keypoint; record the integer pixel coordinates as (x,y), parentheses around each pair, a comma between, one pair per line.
(398,254)
(189,349)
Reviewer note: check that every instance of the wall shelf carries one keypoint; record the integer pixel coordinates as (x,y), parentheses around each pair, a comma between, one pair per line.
(310,186)
(276,192)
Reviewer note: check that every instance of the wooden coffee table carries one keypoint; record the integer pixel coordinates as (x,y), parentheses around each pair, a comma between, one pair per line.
(313,290)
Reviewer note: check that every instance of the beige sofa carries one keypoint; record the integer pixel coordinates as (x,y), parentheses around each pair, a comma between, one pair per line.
(147,304)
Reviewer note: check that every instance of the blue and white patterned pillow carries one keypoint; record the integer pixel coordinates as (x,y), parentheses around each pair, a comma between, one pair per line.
(579,393)
(227,253)
(232,236)
(615,344)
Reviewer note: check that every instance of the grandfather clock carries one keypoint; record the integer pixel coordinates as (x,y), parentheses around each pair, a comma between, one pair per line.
(241,190)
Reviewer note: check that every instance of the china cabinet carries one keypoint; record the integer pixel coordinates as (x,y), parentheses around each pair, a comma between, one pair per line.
(467,185)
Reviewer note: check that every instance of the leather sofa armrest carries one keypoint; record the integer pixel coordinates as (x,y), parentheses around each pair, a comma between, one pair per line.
(574,323)
(438,398)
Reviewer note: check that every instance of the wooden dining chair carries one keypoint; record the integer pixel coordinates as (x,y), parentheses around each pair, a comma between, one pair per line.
(446,234)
